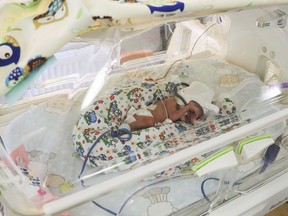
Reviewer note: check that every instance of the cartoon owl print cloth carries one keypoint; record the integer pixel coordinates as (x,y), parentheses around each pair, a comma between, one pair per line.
(28,37)
(33,30)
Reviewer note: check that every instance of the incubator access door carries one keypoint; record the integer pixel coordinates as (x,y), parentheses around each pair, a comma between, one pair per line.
(69,146)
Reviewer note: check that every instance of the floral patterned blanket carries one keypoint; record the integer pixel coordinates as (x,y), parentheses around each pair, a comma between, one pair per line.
(149,144)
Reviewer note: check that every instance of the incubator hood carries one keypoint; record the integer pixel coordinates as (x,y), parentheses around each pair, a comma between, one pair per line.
(68,142)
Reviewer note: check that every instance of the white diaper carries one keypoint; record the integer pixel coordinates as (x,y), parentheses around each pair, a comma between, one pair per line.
(132,111)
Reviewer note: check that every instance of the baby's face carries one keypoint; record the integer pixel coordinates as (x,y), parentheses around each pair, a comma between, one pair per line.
(195,112)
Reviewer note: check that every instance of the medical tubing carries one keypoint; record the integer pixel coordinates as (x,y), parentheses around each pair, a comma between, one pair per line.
(202,188)
(114,133)
(175,91)
(137,174)
(89,152)
(191,53)
(105,209)
(216,179)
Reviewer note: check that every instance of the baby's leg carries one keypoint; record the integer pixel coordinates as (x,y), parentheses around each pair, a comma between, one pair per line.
(142,122)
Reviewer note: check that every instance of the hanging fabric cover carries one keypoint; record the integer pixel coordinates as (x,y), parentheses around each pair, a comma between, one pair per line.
(33,30)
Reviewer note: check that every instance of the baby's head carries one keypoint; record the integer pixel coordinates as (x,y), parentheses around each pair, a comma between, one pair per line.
(201,96)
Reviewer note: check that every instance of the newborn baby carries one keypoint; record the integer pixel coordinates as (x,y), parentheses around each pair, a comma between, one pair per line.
(196,101)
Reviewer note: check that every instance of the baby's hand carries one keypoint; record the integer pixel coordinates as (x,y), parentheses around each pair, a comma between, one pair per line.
(195,111)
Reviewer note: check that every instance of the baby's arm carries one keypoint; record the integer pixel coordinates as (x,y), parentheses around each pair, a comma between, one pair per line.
(175,113)
(142,122)
(192,111)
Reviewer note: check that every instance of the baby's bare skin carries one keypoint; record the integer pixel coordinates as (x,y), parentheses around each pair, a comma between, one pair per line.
(189,113)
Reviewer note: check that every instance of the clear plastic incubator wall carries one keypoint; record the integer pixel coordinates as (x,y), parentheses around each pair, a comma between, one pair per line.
(67,143)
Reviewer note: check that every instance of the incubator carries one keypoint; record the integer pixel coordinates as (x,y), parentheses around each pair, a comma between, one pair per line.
(67,147)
